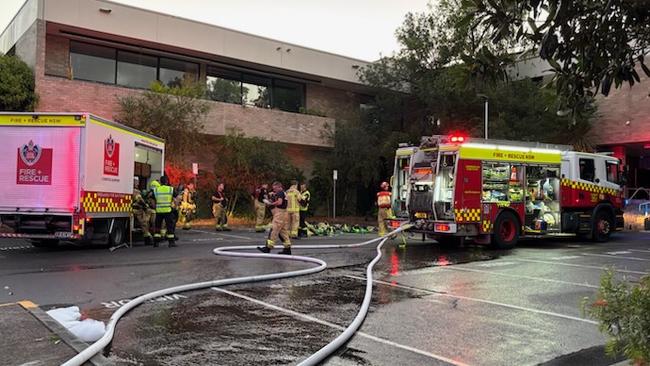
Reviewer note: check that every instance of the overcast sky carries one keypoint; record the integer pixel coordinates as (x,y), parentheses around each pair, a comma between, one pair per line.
(362,29)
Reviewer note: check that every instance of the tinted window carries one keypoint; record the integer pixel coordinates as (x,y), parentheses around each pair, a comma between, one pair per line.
(94,63)
(612,172)
(587,169)
(136,70)
(287,96)
(256,91)
(173,72)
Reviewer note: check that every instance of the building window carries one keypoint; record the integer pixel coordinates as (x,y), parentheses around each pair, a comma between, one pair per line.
(256,91)
(288,96)
(223,86)
(136,70)
(93,63)
(174,72)
(587,169)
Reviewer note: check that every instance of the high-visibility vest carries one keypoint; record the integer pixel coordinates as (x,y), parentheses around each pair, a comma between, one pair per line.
(383,199)
(164,198)
(293,196)
(306,197)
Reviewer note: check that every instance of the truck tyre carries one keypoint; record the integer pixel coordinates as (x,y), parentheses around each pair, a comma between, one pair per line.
(45,243)
(506,231)
(602,226)
(118,235)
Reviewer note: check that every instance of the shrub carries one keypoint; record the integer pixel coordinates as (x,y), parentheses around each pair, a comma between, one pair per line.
(623,311)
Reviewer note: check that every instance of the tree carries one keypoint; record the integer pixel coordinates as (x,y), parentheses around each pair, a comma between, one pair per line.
(590,44)
(16,85)
(175,114)
(245,162)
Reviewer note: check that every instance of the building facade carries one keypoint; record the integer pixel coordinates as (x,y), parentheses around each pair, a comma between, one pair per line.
(86,54)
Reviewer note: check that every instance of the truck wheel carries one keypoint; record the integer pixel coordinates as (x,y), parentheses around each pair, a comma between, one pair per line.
(602,228)
(506,231)
(45,243)
(118,236)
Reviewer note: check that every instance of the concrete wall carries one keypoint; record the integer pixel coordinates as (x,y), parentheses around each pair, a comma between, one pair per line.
(20,24)
(148,26)
(622,105)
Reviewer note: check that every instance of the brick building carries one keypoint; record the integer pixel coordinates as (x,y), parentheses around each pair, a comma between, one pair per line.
(87,53)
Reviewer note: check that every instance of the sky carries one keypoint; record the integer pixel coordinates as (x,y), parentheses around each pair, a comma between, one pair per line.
(363,29)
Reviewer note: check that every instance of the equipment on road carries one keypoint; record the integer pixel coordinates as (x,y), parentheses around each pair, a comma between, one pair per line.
(242,251)
(454,187)
(69,176)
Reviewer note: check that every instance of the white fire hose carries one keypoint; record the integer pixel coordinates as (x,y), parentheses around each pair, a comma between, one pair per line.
(235,251)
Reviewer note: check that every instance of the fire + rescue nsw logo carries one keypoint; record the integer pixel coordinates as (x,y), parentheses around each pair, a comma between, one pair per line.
(111,156)
(34,165)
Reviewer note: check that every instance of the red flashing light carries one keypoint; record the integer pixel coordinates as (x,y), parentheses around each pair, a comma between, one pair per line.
(646,146)
(457,138)
(75,228)
(442,227)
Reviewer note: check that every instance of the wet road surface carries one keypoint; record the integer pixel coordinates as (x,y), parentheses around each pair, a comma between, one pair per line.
(431,305)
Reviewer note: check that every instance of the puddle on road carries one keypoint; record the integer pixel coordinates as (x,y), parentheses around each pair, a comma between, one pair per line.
(420,256)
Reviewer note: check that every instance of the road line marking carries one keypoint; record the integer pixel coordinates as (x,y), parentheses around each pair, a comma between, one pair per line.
(565,257)
(579,266)
(310,318)
(229,235)
(639,250)
(518,276)
(619,252)
(617,256)
(544,312)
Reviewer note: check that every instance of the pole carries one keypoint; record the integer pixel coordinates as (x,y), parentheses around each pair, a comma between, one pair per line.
(486,118)
(334,205)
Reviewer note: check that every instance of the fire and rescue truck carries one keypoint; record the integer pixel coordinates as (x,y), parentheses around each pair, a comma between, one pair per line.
(69,176)
(494,192)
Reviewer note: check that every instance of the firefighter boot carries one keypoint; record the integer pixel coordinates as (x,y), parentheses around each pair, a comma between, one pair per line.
(265,250)
(286,251)
(147,240)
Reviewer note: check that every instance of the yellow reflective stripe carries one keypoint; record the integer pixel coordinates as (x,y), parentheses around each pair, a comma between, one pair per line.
(42,120)
(504,154)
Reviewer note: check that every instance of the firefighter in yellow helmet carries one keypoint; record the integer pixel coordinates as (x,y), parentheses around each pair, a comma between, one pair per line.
(164,194)
(304,207)
(261,193)
(383,207)
(141,211)
(293,209)
(187,206)
(279,229)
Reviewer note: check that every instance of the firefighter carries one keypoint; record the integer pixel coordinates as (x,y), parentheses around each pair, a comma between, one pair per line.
(141,211)
(279,229)
(164,195)
(187,206)
(261,193)
(383,208)
(293,209)
(305,198)
(219,204)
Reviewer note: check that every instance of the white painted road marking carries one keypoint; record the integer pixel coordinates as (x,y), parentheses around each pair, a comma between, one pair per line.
(639,250)
(617,256)
(495,264)
(544,312)
(579,266)
(619,252)
(310,318)
(117,303)
(455,268)
(565,257)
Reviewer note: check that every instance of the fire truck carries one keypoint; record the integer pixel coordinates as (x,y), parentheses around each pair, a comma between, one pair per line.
(70,176)
(495,192)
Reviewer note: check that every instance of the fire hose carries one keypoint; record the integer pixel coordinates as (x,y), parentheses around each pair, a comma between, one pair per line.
(235,251)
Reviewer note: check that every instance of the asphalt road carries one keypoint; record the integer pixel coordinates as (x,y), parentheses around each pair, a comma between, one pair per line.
(431,305)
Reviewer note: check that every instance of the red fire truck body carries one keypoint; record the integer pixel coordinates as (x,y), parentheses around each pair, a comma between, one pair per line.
(497,191)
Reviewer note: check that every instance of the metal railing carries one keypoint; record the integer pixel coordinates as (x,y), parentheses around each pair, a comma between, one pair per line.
(636,191)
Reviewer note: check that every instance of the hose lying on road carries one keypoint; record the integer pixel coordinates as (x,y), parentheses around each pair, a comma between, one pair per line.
(235,251)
